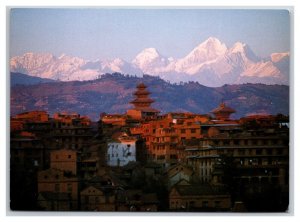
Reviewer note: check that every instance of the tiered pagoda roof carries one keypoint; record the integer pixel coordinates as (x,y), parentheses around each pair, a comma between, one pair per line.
(223,112)
(142,101)
(223,109)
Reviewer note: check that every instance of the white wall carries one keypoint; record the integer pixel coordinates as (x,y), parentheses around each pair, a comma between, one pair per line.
(120,153)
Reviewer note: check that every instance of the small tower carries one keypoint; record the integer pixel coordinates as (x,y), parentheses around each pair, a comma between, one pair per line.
(223,112)
(142,104)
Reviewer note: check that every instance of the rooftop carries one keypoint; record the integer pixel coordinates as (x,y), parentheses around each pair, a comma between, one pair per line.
(223,108)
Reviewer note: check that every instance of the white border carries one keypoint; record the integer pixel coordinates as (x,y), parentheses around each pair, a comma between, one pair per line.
(160,3)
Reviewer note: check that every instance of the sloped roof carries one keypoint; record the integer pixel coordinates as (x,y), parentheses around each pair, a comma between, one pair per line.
(141,92)
(147,109)
(200,190)
(223,108)
(142,100)
(141,85)
(149,198)
(55,196)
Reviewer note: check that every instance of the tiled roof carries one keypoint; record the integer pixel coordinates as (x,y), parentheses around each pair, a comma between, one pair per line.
(223,108)
(55,196)
(200,190)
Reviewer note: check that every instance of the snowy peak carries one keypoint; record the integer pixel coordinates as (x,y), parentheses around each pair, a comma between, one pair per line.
(207,52)
(276,57)
(244,50)
(211,63)
(150,60)
(238,47)
(149,52)
(212,45)
(209,49)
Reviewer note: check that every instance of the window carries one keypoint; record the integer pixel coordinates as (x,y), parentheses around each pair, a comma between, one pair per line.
(279,151)
(182,130)
(69,188)
(69,156)
(226,142)
(269,151)
(217,204)
(204,203)
(173,156)
(193,130)
(258,152)
(192,203)
(56,187)
(241,151)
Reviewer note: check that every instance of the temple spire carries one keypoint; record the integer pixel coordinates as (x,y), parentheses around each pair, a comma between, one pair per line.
(142,103)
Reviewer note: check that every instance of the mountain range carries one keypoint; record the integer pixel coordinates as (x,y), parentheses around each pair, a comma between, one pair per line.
(211,63)
(112,93)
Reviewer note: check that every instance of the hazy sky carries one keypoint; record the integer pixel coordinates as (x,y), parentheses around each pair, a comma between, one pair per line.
(110,33)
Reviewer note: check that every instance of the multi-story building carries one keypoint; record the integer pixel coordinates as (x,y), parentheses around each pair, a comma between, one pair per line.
(65,160)
(121,150)
(59,183)
(164,136)
(256,154)
(97,198)
(199,198)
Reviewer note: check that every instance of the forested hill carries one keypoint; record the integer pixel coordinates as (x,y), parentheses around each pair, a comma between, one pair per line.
(112,92)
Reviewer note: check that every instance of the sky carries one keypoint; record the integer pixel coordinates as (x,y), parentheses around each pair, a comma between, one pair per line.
(103,33)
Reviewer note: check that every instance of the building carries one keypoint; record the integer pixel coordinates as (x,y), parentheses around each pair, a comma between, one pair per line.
(136,200)
(178,172)
(65,160)
(252,161)
(165,135)
(256,154)
(97,198)
(114,119)
(121,150)
(223,112)
(58,183)
(142,104)
(33,116)
(199,198)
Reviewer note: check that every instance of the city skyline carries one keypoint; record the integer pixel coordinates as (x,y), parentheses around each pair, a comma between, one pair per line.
(103,33)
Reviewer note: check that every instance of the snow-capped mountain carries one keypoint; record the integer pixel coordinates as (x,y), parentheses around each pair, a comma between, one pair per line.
(211,63)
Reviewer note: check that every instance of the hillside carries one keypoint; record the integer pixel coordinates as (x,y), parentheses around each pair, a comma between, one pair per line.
(112,93)
(22,79)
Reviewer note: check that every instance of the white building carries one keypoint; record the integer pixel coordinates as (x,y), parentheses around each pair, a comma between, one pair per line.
(121,151)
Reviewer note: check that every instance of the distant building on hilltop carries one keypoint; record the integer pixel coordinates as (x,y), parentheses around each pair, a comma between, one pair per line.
(223,112)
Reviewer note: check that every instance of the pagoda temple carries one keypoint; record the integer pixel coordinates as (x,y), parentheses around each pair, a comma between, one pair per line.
(223,112)
(142,104)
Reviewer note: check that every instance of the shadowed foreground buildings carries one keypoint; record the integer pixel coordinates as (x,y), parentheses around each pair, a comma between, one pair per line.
(143,161)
